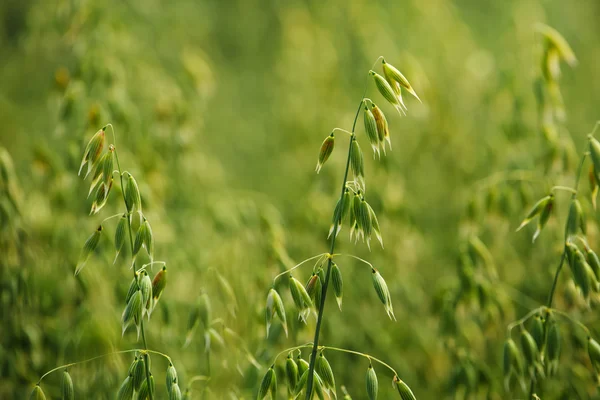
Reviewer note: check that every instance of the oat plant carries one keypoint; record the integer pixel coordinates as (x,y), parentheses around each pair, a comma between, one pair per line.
(537,357)
(315,376)
(101,163)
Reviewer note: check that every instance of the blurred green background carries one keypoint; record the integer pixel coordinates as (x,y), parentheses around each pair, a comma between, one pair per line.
(219,109)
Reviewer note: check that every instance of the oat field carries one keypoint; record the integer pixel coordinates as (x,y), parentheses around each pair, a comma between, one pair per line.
(251,199)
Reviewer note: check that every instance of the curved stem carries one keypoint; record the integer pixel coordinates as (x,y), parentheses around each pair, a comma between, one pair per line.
(146,357)
(302,346)
(554,283)
(150,263)
(359,259)
(571,320)
(341,130)
(297,265)
(562,257)
(313,357)
(102,356)
(358,353)
(198,378)
(522,320)
(564,188)
(111,217)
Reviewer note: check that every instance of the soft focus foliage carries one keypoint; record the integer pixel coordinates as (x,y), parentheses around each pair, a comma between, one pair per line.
(220,108)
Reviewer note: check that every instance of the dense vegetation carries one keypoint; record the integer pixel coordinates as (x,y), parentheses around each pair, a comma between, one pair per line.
(219,109)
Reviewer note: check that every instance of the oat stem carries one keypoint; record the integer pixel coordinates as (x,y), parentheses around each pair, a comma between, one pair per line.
(359,259)
(573,321)
(146,356)
(564,188)
(297,265)
(102,356)
(523,320)
(313,357)
(562,258)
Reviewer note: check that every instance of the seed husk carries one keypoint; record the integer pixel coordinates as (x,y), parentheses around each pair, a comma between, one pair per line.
(375,225)
(403,389)
(133,287)
(302,365)
(535,210)
(101,172)
(133,199)
(275,307)
(37,393)
(372,383)
(575,219)
(595,155)
(146,389)
(593,261)
(383,292)
(338,283)
(553,348)
(594,187)
(133,311)
(267,384)
(371,129)
(594,353)
(393,74)
(560,43)
(579,268)
(158,285)
(92,151)
(323,368)
(326,150)
(291,372)
(68,393)
(302,383)
(357,163)
(101,197)
(171,377)
(537,331)
(383,130)
(120,232)
(126,390)
(366,222)
(90,245)
(138,373)
(389,93)
(174,392)
(146,288)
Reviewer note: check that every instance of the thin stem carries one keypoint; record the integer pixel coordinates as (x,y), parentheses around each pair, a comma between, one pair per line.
(111,217)
(522,320)
(313,357)
(297,265)
(302,346)
(101,356)
(359,259)
(554,283)
(341,130)
(573,321)
(198,378)
(358,353)
(510,176)
(146,357)
(564,188)
(150,263)
(562,257)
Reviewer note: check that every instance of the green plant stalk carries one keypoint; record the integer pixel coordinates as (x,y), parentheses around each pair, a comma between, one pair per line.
(313,355)
(560,265)
(146,356)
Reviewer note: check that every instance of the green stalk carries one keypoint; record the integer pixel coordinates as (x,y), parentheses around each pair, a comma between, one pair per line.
(315,346)
(560,265)
(146,356)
